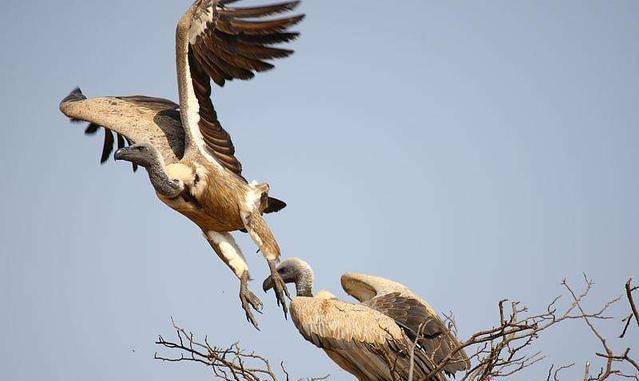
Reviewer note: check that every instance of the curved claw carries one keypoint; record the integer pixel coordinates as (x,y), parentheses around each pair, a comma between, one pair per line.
(249,300)
(280,288)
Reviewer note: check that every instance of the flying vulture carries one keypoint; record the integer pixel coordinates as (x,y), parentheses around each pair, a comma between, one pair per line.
(372,339)
(189,157)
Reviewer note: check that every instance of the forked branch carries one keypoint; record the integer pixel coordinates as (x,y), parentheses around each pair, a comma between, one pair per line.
(508,347)
(230,363)
(634,314)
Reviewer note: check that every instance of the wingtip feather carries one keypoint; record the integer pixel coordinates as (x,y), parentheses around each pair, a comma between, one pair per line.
(74,96)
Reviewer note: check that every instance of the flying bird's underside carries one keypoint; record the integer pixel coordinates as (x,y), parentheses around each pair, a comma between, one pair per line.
(188,155)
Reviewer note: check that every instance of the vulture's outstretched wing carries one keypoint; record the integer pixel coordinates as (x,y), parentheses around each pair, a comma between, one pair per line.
(221,43)
(361,340)
(410,312)
(133,119)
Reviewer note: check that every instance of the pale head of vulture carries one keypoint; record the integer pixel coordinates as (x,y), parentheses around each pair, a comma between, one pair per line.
(297,271)
(147,156)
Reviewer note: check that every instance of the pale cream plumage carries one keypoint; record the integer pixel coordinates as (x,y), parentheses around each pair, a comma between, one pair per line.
(372,339)
(138,118)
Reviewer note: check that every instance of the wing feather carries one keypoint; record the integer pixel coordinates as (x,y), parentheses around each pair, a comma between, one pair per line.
(121,143)
(248,50)
(260,11)
(91,129)
(108,146)
(335,324)
(130,143)
(268,39)
(236,26)
(132,118)
(221,43)
(409,311)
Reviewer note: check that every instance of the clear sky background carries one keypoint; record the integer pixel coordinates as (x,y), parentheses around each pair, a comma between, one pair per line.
(473,151)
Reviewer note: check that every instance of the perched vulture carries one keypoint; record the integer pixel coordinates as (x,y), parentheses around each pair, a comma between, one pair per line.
(372,339)
(189,157)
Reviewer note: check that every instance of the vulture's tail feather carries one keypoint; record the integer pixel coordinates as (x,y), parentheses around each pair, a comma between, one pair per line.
(274,205)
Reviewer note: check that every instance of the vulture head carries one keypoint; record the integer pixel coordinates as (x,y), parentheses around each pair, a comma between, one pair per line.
(147,156)
(297,271)
(143,154)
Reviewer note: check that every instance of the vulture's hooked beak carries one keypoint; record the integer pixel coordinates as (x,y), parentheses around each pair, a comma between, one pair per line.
(120,153)
(267,284)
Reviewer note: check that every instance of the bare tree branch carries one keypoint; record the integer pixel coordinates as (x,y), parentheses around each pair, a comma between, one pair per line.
(227,363)
(506,349)
(500,351)
(631,301)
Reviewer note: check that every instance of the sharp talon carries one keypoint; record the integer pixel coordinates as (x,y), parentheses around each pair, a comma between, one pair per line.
(251,319)
(279,287)
(288,295)
(249,300)
(257,305)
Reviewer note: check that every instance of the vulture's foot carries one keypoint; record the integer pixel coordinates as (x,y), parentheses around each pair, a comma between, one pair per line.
(249,300)
(280,287)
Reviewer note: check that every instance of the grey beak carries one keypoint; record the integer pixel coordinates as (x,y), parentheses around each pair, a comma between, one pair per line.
(267,284)
(118,154)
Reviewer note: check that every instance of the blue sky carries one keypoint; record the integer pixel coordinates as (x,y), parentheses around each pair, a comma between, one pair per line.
(471,151)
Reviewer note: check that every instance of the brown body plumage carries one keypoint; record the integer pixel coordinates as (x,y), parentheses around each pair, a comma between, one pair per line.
(194,168)
(209,199)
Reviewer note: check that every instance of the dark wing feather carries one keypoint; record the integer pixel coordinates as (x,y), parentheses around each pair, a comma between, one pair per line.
(415,319)
(259,11)
(135,166)
(91,129)
(121,143)
(107,148)
(407,312)
(232,43)
(218,141)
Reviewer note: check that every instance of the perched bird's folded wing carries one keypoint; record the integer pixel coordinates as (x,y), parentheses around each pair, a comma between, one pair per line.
(221,43)
(133,119)
(360,339)
(335,324)
(411,312)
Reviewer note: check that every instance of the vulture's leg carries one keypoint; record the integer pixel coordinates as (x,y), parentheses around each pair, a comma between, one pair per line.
(263,237)
(225,247)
